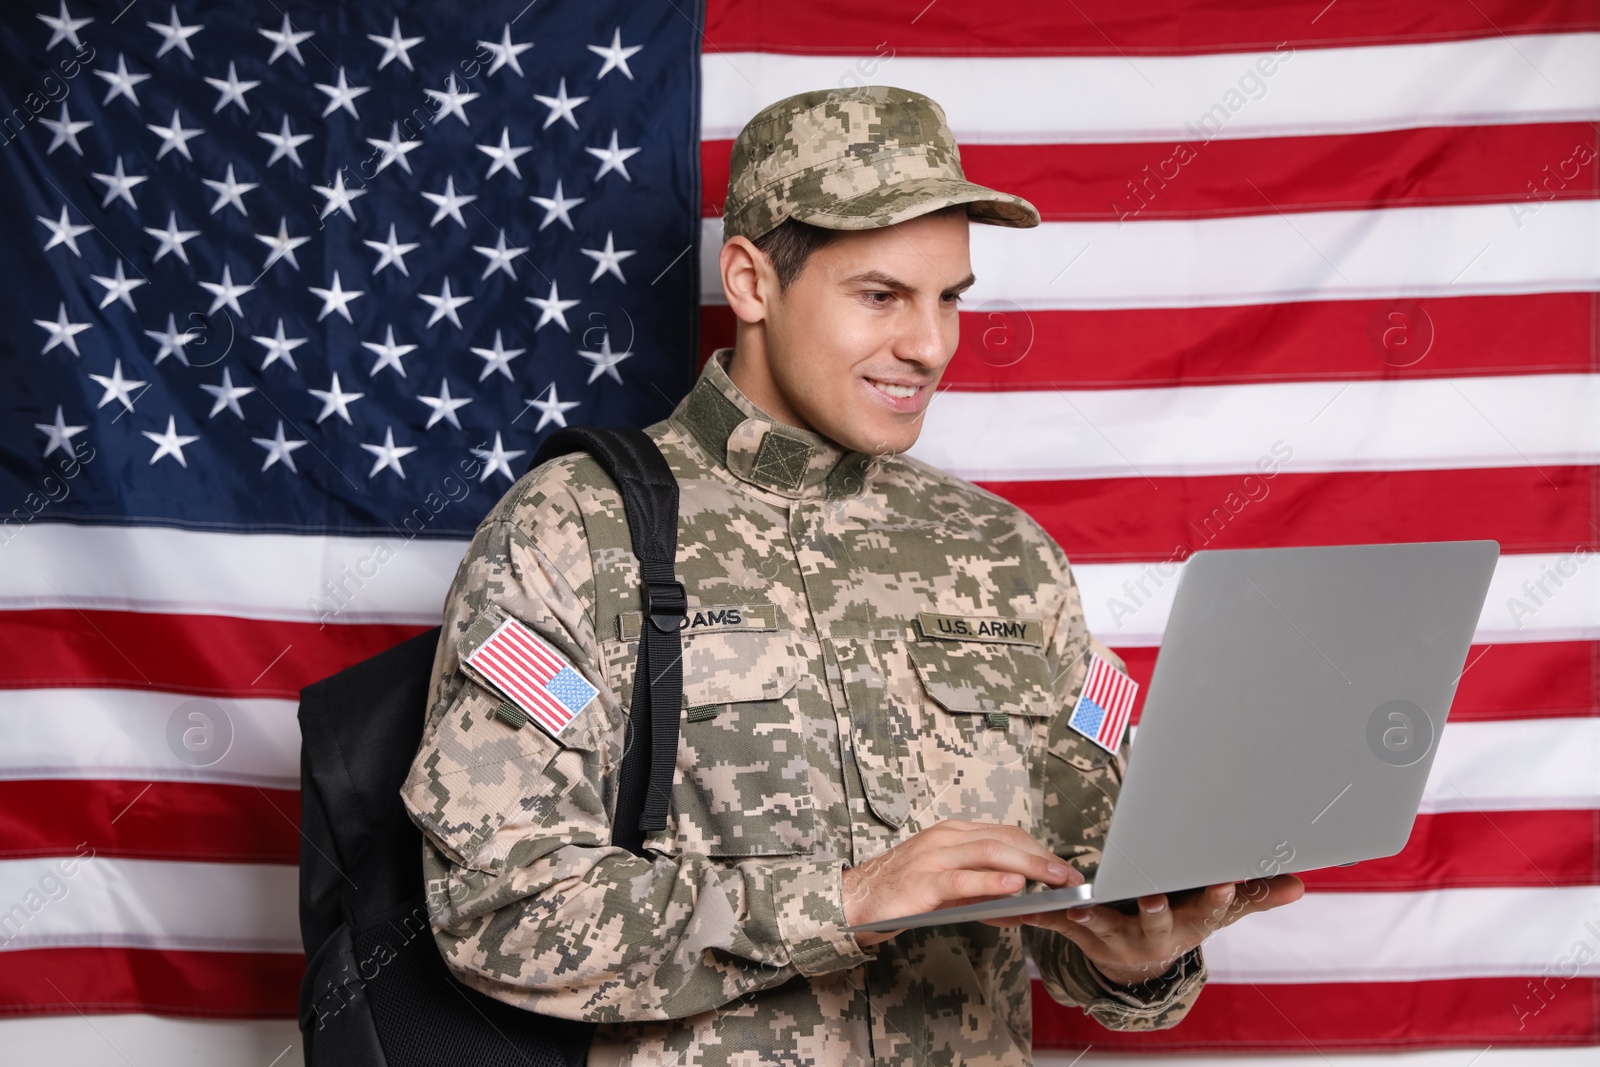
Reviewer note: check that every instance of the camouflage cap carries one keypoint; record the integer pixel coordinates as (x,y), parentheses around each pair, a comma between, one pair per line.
(854,159)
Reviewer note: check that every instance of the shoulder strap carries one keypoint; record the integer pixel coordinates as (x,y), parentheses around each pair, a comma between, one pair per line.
(650,500)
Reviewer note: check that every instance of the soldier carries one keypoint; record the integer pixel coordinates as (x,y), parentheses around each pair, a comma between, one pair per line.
(878,664)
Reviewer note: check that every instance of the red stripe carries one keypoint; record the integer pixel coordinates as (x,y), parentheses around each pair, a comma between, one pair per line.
(1520,164)
(150,820)
(548,663)
(1006,349)
(1536,680)
(511,678)
(1105,27)
(73,981)
(1346,1017)
(210,655)
(1114,520)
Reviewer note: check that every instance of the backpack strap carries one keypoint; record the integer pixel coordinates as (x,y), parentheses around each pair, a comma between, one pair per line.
(650,500)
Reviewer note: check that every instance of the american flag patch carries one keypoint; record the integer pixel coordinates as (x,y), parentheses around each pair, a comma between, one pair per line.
(533,676)
(1104,705)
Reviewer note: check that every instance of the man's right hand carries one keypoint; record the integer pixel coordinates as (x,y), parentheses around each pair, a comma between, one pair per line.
(945,866)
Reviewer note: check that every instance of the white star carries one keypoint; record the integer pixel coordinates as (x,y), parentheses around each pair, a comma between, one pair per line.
(63,232)
(561,106)
(61,434)
(64,28)
(342,95)
(66,131)
(451,102)
(171,238)
(282,246)
(121,82)
(449,203)
(505,53)
(388,455)
(552,409)
(391,251)
(285,143)
(613,158)
(119,287)
(444,305)
(497,459)
(172,341)
(279,347)
(232,90)
(499,256)
(504,156)
(117,387)
(119,184)
(227,395)
(335,401)
(278,448)
(552,308)
(394,149)
(175,35)
(339,198)
(388,353)
(555,207)
(285,40)
(444,406)
(174,136)
(62,331)
(616,57)
(337,299)
(607,260)
(605,361)
(225,293)
(497,358)
(395,47)
(170,443)
(228,192)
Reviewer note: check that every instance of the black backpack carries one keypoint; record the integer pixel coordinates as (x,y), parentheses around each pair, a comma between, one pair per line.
(376,991)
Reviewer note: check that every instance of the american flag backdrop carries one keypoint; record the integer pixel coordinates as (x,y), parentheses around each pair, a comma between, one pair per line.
(1311,272)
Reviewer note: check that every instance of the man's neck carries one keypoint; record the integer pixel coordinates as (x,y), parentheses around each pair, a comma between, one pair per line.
(750,370)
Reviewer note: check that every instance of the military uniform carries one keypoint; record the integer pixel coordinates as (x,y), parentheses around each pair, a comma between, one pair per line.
(871,647)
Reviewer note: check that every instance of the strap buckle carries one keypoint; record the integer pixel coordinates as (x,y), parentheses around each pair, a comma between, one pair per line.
(666,604)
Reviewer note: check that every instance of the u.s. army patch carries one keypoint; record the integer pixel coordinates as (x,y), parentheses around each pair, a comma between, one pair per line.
(533,677)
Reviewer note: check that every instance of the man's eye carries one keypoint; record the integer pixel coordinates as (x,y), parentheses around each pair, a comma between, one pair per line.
(879,298)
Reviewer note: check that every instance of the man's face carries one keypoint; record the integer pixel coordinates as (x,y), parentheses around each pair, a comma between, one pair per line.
(857,343)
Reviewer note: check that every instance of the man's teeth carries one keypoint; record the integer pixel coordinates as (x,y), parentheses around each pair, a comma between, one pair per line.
(902,392)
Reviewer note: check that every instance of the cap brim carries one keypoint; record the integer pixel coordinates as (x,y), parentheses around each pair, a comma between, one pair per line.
(919,196)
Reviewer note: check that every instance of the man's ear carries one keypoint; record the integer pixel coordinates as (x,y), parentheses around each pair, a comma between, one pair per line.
(748,279)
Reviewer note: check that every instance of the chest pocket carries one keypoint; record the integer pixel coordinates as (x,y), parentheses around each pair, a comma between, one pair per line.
(947,729)
(743,785)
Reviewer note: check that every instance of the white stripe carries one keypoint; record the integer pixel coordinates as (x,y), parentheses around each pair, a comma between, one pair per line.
(263,576)
(137,735)
(1516,765)
(1127,604)
(1399,424)
(1467,1057)
(1409,937)
(1043,100)
(1272,258)
(161,904)
(150,1040)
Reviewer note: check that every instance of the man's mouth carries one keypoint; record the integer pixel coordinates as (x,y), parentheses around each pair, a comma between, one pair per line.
(891,389)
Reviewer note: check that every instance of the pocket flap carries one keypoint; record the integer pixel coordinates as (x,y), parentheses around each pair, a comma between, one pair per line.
(729,666)
(983,677)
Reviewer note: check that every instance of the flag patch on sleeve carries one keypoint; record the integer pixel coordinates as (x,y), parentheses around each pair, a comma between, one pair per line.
(1104,704)
(532,676)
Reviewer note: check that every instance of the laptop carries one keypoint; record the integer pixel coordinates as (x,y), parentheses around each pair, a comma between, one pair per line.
(1293,716)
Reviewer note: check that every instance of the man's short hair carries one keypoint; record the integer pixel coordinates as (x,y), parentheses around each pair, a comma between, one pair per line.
(791,243)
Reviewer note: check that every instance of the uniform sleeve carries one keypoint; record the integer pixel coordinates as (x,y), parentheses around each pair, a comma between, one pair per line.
(1080,787)
(530,902)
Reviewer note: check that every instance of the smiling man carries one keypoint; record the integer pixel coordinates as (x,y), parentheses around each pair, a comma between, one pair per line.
(879,662)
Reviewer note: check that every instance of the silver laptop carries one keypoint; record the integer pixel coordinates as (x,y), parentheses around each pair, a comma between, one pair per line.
(1293,716)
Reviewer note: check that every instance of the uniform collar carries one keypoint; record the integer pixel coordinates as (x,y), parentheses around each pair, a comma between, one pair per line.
(756,448)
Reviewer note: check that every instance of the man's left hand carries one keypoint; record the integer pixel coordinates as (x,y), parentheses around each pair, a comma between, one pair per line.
(1129,949)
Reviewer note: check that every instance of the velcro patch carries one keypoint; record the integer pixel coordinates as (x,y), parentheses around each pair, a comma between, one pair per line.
(1011,631)
(707,620)
(532,676)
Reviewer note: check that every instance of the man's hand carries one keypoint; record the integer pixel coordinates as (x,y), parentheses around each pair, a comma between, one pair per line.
(1129,949)
(945,866)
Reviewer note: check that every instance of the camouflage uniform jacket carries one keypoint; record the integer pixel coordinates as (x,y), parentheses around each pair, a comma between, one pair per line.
(872,647)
